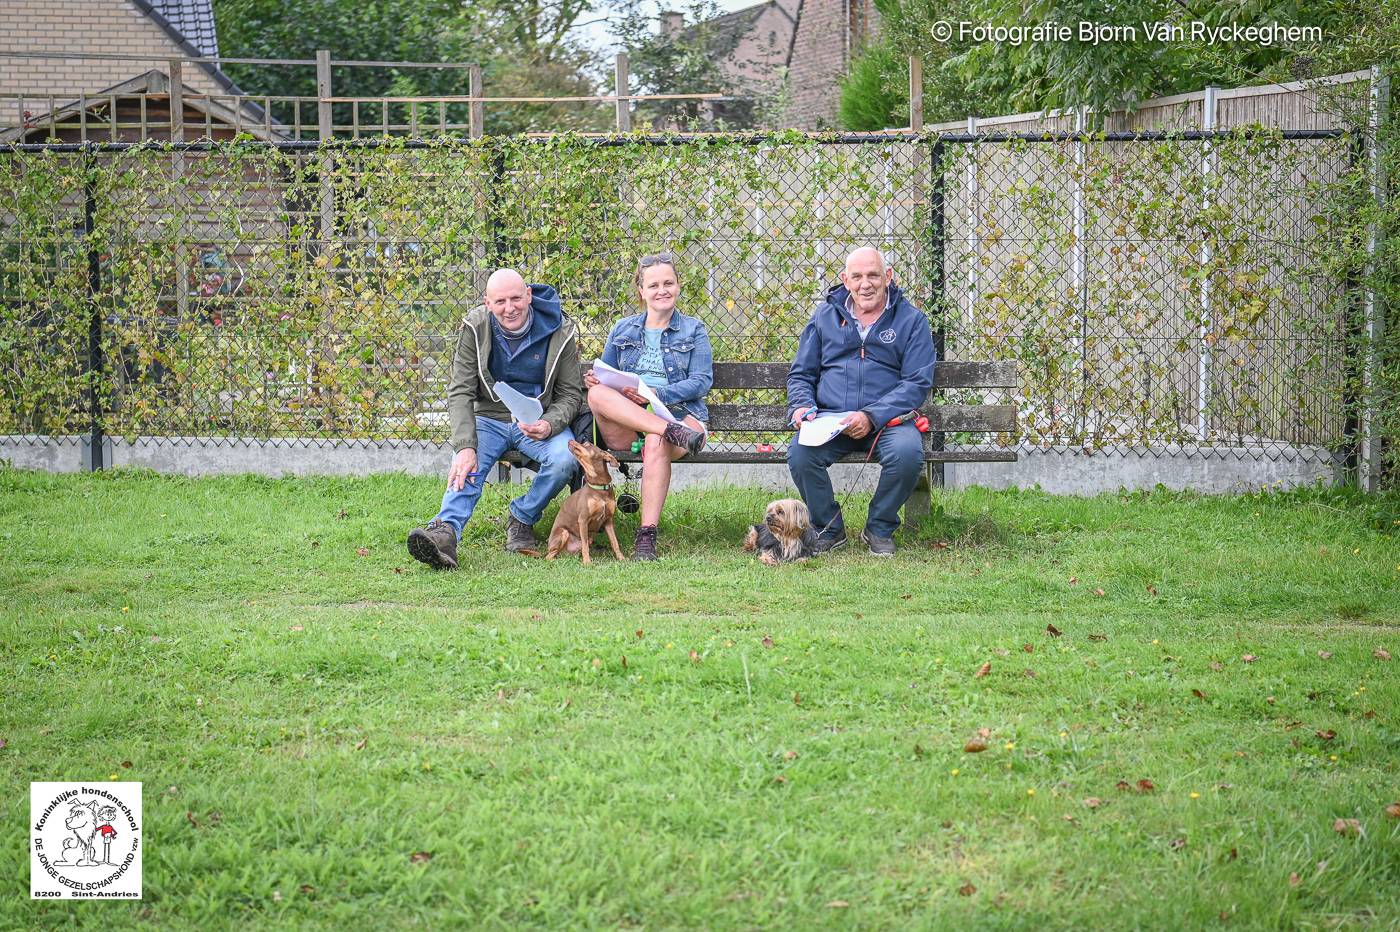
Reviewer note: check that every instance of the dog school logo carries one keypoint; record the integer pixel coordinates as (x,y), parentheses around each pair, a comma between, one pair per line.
(85,841)
(887,336)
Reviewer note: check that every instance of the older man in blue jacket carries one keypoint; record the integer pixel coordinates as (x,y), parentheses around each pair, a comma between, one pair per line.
(869,353)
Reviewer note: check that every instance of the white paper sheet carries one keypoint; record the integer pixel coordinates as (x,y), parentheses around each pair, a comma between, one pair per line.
(821,428)
(522,407)
(616,378)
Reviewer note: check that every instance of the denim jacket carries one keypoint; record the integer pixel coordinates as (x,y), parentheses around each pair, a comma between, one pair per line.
(685,347)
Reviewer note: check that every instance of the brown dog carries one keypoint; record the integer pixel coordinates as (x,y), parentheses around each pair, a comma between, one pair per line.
(785,534)
(588,510)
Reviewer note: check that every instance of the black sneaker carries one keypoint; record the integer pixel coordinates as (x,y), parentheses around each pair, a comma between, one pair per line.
(879,546)
(677,433)
(434,544)
(644,544)
(826,545)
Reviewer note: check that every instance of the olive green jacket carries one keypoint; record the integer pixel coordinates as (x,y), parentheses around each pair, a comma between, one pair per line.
(469,394)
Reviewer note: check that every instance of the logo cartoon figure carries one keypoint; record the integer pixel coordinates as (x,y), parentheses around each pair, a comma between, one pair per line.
(107,814)
(82,821)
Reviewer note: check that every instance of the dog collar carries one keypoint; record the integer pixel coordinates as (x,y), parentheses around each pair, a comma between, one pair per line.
(600,488)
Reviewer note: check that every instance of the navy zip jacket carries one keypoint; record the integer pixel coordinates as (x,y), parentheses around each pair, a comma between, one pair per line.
(887,375)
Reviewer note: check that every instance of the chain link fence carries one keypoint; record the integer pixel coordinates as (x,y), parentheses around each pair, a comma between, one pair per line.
(1178,292)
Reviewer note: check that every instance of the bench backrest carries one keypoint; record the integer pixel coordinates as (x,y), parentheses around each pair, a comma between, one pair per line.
(942,417)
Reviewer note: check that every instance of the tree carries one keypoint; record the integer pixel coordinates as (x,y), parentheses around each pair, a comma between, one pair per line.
(965,76)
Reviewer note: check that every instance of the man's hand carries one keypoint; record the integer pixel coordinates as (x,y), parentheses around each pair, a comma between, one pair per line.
(798,416)
(463,464)
(857,424)
(536,430)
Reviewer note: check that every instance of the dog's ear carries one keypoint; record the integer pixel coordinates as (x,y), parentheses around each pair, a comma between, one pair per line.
(609,458)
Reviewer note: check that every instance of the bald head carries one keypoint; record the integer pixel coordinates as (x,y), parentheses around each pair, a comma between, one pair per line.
(508,298)
(867,278)
(866,255)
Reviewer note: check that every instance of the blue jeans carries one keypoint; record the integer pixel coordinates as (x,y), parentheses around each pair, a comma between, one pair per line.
(900,453)
(493,439)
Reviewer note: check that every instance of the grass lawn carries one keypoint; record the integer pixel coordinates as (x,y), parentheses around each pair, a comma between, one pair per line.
(331,735)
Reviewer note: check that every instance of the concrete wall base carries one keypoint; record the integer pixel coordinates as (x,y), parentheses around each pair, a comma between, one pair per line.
(1060,471)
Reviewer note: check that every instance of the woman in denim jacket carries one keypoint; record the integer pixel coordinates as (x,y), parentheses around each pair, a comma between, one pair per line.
(671,353)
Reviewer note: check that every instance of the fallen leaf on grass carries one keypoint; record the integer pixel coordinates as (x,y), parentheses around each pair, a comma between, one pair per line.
(1217,666)
(306,889)
(1074,580)
(1249,658)
(1123,786)
(1294,879)
(983,670)
(907,595)
(1152,590)
(1028,673)
(360,745)
(640,634)
(796,698)
(3,744)
(1146,786)
(398,570)
(984,733)
(1098,592)
(420,857)
(1028,648)
(189,817)
(1098,637)
(694,657)
(1198,694)
(361,551)
(342,514)
(1350,828)
(1393,810)
(1053,631)
(1325,654)
(598,662)
(1176,844)
(792,755)
(1232,854)
(780,779)
(975,746)
(297,628)
(1093,802)
(1380,653)
(767,641)
(624,661)
(837,904)
(1326,734)
(966,889)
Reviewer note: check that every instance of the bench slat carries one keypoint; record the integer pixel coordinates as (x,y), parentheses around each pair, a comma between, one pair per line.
(942,417)
(950,374)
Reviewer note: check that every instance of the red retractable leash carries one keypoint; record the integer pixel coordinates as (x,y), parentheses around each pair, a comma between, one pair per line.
(920,422)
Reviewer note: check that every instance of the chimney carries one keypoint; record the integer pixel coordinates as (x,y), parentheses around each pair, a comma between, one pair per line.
(671,23)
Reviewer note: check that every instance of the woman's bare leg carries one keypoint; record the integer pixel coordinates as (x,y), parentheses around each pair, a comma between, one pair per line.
(657,456)
(619,419)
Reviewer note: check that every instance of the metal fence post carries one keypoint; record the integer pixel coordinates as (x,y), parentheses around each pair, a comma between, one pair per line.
(326,130)
(937,473)
(96,365)
(1370,466)
(1079,273)
(1356,351)
(1203,356)
(624,105)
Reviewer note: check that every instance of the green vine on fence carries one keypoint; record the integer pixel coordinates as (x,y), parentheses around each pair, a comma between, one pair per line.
(247,290)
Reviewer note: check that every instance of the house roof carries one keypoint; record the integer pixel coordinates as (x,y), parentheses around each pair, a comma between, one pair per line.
(727,30)
(193,20)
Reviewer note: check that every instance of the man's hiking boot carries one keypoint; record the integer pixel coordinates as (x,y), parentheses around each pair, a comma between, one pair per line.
(677,433)
(826,543)
(519,535)
(434,544)
(879,546)
(644,544)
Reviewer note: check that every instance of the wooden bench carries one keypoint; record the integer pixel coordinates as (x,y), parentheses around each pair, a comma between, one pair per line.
(943,419)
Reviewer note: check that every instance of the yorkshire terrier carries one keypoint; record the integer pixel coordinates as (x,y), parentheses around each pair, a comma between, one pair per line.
(786,533)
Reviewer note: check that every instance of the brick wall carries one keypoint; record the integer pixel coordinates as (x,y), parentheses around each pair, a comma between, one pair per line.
(97,26)
(825,31)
